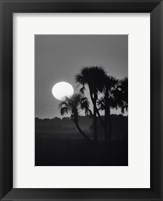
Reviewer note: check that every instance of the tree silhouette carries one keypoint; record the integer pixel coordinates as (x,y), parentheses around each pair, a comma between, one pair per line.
(73,106)
(93,77)
(122,95)
(108,101)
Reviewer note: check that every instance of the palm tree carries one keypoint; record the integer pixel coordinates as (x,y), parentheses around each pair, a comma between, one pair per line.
(73,106)
(122,95)
(93,77)
(107,102)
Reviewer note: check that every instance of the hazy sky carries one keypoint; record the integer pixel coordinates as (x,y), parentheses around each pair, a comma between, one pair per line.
(60,58)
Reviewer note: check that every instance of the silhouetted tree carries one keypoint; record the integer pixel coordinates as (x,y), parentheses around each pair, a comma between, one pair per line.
(93,77)
(108,101)
(73,106)
(122,95)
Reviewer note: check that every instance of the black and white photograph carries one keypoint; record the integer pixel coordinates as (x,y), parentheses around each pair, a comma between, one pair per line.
(81,100)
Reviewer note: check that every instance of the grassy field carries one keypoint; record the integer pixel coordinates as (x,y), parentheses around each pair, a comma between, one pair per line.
(58,143)
(61,151)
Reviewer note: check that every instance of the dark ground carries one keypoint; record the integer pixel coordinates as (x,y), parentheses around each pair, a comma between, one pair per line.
(57,143)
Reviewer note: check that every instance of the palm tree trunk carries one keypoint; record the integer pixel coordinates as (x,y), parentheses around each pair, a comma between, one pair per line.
(80,130)
(94,120)
(106,115)
(93,99)
(76,122)
(109,130)
(100,118)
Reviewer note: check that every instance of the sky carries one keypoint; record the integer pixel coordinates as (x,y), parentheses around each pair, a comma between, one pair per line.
(60,58)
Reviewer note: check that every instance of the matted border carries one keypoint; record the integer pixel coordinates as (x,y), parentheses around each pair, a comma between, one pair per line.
(137,173)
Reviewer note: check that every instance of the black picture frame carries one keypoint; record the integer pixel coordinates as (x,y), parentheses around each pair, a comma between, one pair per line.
(7,8)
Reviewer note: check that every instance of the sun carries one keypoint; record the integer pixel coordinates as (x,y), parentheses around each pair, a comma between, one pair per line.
(61,90)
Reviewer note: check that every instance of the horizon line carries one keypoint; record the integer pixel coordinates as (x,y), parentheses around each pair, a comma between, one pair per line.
(50,118)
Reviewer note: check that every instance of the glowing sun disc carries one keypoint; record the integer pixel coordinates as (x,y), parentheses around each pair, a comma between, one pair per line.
(61,90)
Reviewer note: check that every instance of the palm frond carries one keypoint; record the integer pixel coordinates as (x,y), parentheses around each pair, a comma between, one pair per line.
(79,79)
(63,104)
(88,112)
(84,104)
(111,82)
(82,89)
(93,76)
(64,107)
(63,110)
(101,103)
